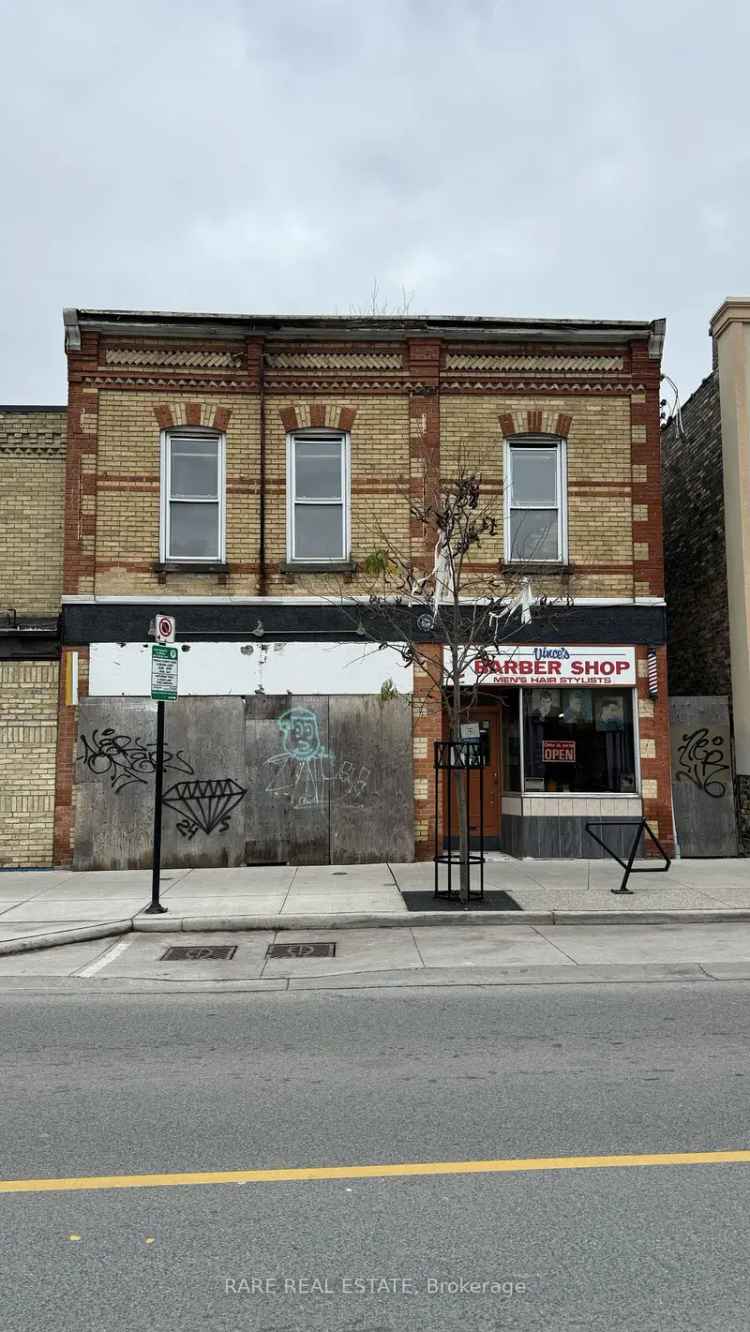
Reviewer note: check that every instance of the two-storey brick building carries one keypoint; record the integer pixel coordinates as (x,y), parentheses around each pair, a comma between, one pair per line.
(237,471)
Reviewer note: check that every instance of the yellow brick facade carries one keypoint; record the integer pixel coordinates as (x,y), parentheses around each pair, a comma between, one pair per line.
(600,510)
(125,541)
(28,736)
(32,488)
(379,485)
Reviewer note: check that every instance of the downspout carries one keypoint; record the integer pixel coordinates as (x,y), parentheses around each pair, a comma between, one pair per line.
(262,573)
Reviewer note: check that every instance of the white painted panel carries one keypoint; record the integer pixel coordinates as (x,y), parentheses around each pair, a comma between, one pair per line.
(243,668)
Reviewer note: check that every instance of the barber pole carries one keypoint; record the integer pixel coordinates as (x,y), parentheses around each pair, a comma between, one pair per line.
(653,679)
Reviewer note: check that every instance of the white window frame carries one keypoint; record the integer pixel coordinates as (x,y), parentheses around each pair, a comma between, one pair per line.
(344,439)
(637,794)
(191,432)
(530,442)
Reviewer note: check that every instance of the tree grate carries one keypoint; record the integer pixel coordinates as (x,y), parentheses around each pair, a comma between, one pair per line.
(303,950)
(200,953)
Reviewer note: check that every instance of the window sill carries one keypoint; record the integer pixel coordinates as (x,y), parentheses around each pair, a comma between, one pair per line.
(322,566)
(215,567)
(538,566)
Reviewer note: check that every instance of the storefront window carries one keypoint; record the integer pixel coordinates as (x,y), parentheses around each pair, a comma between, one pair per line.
(511,744)
(578,740)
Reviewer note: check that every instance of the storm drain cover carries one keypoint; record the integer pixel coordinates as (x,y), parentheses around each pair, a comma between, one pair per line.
(301,950)
(200,953)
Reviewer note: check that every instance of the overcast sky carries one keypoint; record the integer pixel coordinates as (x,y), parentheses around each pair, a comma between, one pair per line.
(489,156)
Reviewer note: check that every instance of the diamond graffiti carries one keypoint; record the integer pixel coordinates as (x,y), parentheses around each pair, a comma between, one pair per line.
(205,804)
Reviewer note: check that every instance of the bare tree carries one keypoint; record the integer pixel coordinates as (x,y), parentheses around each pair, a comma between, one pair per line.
(379,306)
(466,610)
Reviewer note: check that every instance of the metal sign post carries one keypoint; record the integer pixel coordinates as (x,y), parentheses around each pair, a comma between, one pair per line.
(163,687)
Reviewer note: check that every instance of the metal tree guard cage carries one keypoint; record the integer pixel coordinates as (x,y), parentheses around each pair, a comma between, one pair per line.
(465,756)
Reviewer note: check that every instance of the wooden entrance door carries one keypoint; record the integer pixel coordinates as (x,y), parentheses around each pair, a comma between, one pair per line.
(482,721)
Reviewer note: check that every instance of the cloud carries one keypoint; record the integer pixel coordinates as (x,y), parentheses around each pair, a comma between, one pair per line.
(492,157)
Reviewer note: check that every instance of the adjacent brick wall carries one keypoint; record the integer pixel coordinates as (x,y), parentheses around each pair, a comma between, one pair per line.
(694,547)
(32,461)
(28,734)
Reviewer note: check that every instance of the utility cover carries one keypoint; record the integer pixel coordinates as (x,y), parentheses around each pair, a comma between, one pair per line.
(200,953)
(163,673)
(301,950)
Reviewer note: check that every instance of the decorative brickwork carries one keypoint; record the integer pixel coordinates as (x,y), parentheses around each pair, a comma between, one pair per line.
(32,466)
(318,416)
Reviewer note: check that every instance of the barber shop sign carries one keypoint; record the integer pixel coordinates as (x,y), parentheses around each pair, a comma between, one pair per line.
(593,667)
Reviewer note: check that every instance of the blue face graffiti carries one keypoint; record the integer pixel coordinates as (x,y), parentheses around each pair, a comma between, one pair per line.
(304,768)
(300,729)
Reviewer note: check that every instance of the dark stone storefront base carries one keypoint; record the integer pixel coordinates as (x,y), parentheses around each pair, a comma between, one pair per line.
(561,837)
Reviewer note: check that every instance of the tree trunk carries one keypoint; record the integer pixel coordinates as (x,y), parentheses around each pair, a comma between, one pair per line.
(462,795)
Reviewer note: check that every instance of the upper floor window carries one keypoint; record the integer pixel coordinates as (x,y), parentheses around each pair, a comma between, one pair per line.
(318,496)
(192,488)
(535,500)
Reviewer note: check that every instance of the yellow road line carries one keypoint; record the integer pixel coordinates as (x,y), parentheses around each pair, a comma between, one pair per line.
(501,1167)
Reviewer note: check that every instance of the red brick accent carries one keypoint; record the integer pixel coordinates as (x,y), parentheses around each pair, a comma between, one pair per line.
(221,418)
(564,422)
(255,348)
(534,422)
(424,360)
(67,718)
(289,418)
(507,424)
(427,724)
(317,414)
(346,417)
(163,414)
(658,769)
(80,463)
(193,413)
(644,416)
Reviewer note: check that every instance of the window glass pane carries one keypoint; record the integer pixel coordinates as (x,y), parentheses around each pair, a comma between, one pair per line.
(318,532)
(317,468)
(533,534)
(194,531)
(511,732)
(579,740)
(534,476)
(194,468)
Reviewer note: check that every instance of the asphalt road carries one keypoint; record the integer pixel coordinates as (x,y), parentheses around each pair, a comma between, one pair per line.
(123,1084)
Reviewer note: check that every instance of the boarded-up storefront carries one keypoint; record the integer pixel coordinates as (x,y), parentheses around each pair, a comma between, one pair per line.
(270,780)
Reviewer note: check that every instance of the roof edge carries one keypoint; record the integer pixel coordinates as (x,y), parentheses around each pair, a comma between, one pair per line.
(145,323)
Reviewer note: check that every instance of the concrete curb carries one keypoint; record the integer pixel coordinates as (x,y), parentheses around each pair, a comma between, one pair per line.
(77,934)
(367,920)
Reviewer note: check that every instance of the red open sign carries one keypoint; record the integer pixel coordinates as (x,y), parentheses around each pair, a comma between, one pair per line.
(558,751)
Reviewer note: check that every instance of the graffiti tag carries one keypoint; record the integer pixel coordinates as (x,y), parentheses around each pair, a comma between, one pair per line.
(124,759)
(701,760)
(205,804)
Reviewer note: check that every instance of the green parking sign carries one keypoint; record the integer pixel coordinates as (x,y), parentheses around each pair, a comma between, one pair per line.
(163,673)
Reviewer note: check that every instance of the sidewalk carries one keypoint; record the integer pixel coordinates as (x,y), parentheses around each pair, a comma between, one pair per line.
(40,908)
